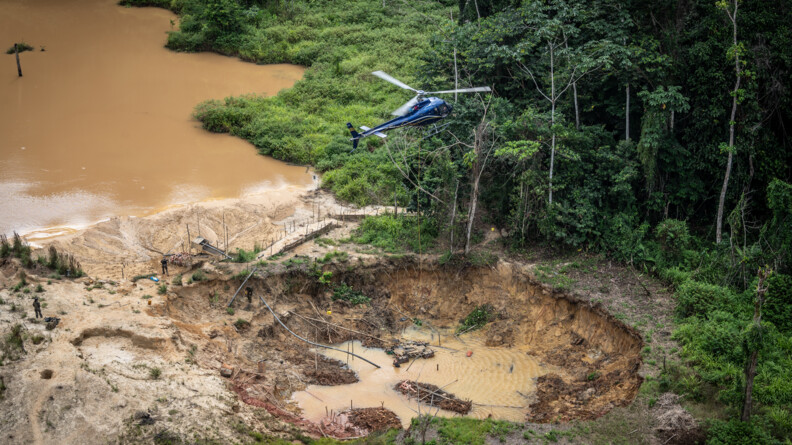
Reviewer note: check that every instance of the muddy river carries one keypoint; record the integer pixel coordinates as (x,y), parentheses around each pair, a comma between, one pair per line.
(100,124)
(497,380)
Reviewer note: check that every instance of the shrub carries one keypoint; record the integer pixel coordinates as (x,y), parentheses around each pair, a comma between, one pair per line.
(695,298)
(674,275)
(155,373)
(673,237)
(177,280)
(230,311)
(395,234)
(734,431)
(198,276)
(778,302)
(246,256)
(241,324)
(162,289)
(476,319)
(346,293)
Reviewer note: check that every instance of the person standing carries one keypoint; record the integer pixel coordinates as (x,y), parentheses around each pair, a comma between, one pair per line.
(37,307)
(164,263)
(249,294)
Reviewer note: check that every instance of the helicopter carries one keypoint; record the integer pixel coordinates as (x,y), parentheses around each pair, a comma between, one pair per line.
(417,112)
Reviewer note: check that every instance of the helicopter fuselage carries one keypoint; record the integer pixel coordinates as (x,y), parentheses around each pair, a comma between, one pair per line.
(427,111)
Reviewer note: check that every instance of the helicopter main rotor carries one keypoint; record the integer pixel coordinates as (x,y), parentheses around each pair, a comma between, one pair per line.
(404,109)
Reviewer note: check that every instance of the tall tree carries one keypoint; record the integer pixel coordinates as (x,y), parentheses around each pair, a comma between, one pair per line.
(735,51)
(551,61)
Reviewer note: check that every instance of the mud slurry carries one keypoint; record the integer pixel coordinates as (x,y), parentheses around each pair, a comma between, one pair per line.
(118,363)
(588,360)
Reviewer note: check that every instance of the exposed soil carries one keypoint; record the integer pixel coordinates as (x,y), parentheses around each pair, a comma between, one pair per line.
(188,334)
(373,419)
(598,355)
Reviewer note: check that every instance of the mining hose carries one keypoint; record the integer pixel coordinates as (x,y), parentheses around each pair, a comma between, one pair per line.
(312,343)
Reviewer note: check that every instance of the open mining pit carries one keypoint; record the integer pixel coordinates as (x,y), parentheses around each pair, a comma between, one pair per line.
(544,356)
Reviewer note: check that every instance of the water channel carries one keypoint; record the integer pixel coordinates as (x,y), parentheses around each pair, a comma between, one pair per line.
(100,123)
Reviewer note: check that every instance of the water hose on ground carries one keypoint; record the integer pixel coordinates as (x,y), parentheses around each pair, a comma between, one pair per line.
(240,287)
(310,342)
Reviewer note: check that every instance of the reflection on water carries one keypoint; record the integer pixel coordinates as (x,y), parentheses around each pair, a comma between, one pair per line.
(495,379)
(101,125)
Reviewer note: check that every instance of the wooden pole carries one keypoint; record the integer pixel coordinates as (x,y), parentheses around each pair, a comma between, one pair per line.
(16,52)
(189,239)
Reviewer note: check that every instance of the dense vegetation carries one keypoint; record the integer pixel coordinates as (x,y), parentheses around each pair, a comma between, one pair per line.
(654,132)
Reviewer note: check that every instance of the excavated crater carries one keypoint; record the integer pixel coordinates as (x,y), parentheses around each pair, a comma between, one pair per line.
(564,357)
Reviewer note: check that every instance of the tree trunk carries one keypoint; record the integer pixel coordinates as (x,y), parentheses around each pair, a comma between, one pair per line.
(552,121)
(750,373)
(453,216)
(750,367)
(472,215)
(577,112)
(19,67)
(627,115)
(719,222)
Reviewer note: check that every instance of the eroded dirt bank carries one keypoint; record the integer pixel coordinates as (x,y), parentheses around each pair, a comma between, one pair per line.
(119,363)
(595,356)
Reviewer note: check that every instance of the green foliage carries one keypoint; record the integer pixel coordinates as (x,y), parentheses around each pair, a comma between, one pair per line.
(459,430)
(177,280)
(246,256)
(334,255)
(198,275)
(476,319)
(162,289)
(699,299)
(241,324)
(734,431)
(20,47)
(396,234)
(230,310)
(778,302)
(347,293)
(673,237)
(155,373)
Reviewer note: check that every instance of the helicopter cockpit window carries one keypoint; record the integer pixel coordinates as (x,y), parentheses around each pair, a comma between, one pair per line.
(443,109)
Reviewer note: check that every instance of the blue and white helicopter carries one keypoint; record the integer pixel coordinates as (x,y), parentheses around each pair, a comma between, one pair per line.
(417,112)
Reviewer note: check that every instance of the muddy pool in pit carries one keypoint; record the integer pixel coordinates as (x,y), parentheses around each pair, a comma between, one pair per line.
(496,379)
(100,124)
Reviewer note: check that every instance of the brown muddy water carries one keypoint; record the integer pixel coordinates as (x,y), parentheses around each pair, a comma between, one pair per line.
(100,125)
(496,379)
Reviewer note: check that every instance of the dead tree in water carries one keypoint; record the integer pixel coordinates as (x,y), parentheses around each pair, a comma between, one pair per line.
(15,50)
(19,66)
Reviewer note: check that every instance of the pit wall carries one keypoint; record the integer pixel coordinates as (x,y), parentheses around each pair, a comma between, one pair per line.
(528,312)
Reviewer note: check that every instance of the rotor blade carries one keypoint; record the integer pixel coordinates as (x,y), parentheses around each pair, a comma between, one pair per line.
(463,90)
(391,79)
(404,109)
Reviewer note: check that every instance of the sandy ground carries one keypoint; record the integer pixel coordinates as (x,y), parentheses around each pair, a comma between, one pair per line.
(130,361)
(123,247)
